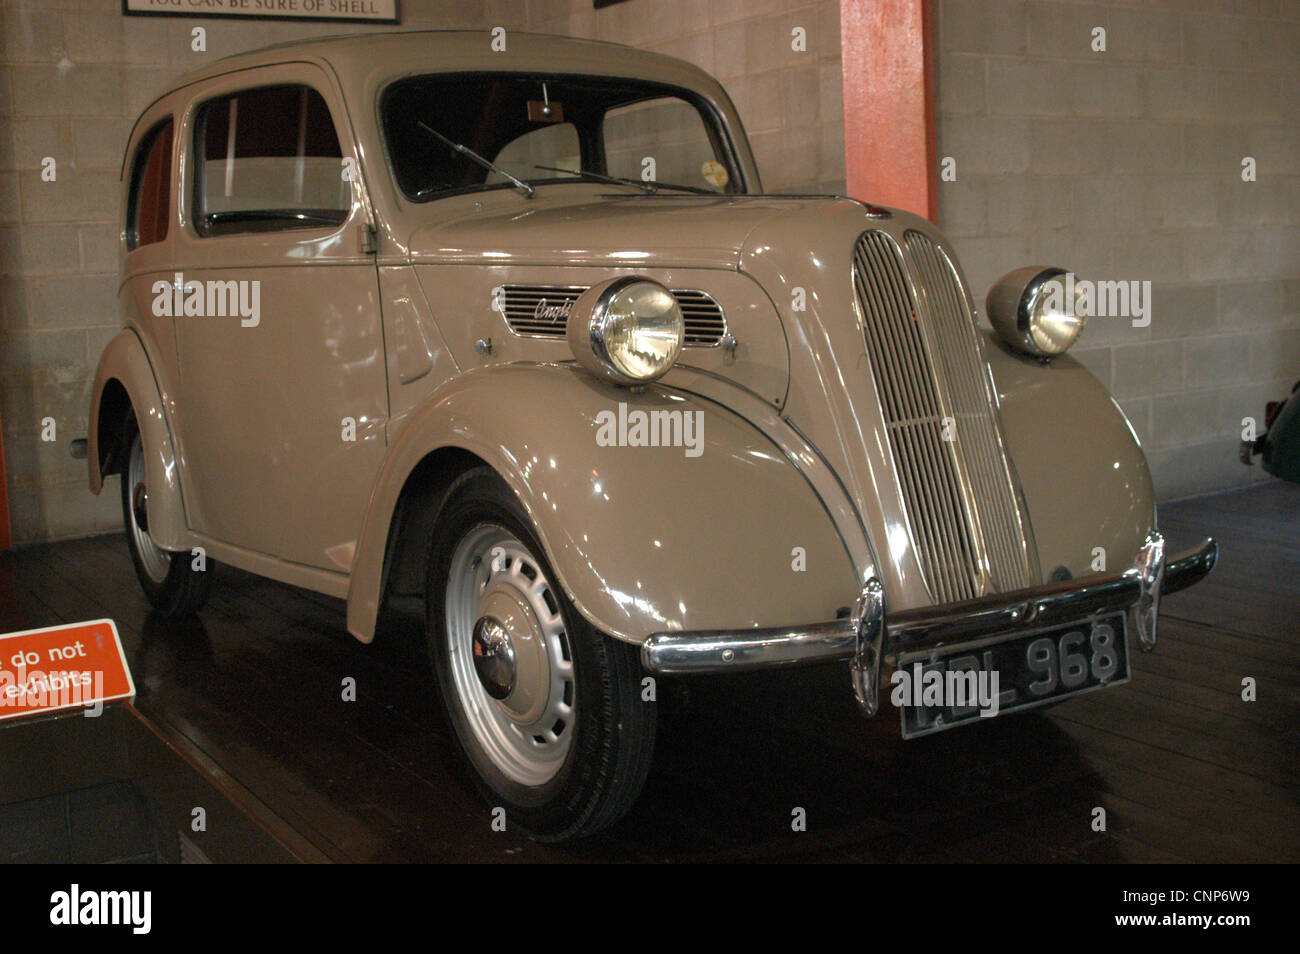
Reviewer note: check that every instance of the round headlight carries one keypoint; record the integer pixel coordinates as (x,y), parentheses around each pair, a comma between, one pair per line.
(632,332)
(1040,311)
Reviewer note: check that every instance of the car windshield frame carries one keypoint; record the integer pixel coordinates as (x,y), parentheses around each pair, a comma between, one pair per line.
(721,137)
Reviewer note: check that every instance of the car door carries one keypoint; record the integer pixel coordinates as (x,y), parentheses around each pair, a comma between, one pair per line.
(283,391)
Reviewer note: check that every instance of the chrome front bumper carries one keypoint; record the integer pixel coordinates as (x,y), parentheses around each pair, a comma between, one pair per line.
(869,636)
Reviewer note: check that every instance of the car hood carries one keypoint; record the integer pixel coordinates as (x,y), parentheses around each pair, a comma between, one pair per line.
(663,230)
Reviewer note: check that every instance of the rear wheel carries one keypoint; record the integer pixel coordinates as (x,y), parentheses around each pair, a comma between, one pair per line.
(169,580)
(547,710)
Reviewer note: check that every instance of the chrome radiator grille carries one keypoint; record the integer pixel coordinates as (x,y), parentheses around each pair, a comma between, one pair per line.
(963,515)
(542,311)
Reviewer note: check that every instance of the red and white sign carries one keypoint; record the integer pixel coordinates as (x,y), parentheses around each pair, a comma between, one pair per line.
(62,667)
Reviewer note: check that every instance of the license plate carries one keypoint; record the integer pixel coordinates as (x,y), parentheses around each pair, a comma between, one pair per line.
(1033,669)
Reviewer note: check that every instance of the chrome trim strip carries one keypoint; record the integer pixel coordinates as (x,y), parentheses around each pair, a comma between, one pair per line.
(726,651)
(954,627)
(869,636)
(1150,572)
(1027,543)
(932,627)
(874,300)
(1190,567)
(938,357)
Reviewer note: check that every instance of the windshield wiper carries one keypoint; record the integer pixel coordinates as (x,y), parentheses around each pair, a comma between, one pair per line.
(650,185)
(600,177)
(519,184)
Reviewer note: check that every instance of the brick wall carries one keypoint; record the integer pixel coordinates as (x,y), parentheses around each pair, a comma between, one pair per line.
(74,75)
(1127,164)
(790,100)
(1121,165)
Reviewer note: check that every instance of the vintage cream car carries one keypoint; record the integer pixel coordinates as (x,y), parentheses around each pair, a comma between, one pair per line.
(516,341)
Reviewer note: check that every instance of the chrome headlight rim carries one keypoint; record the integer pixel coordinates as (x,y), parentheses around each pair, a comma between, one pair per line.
(1015,310)
(607,362)
(1029,298)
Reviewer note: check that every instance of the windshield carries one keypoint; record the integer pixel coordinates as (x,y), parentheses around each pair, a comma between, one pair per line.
(520,122)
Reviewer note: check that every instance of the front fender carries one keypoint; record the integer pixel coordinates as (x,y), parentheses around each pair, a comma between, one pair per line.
(124,361)
(1085,479)
(643,539)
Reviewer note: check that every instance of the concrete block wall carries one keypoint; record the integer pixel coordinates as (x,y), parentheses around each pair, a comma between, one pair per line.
(1127,165)
(74,75)
(790,101)
(1121,165)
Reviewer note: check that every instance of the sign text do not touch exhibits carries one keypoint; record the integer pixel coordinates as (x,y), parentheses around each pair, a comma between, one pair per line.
(370,11)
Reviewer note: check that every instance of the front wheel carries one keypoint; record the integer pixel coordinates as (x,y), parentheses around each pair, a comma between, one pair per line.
(170,580)
(548,712)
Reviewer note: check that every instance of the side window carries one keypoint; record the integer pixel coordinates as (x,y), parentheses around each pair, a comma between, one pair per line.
(149,206)
(268,159)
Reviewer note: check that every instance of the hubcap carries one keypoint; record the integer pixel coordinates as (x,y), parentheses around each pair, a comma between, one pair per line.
(494,657)
(509,655)
(139,506)
(155,560)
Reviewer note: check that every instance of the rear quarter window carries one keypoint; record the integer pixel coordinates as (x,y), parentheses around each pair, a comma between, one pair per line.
(149,205)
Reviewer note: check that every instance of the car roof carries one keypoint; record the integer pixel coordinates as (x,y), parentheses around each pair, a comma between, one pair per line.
(363,61)
(366,63)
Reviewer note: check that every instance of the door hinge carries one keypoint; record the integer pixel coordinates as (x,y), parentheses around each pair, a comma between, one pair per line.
(369,239)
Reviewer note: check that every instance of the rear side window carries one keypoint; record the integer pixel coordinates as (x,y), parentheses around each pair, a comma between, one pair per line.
(268,159)
(149,208)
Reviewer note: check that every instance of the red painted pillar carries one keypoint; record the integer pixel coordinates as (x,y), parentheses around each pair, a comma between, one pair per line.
(889,141)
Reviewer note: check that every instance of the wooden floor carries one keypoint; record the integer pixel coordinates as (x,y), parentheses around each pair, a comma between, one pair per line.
(1185,770)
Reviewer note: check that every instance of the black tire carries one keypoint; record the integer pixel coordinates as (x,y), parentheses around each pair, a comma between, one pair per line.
(609,753)
(179,590)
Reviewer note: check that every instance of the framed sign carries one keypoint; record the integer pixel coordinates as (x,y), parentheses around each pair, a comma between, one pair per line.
(356,11)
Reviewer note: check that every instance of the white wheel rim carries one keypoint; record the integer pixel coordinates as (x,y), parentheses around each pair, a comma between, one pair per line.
(528,733)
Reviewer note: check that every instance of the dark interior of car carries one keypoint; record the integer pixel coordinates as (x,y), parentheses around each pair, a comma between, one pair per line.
(487,112)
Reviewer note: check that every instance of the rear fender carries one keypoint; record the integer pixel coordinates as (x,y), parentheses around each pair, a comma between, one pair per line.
(124,366)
